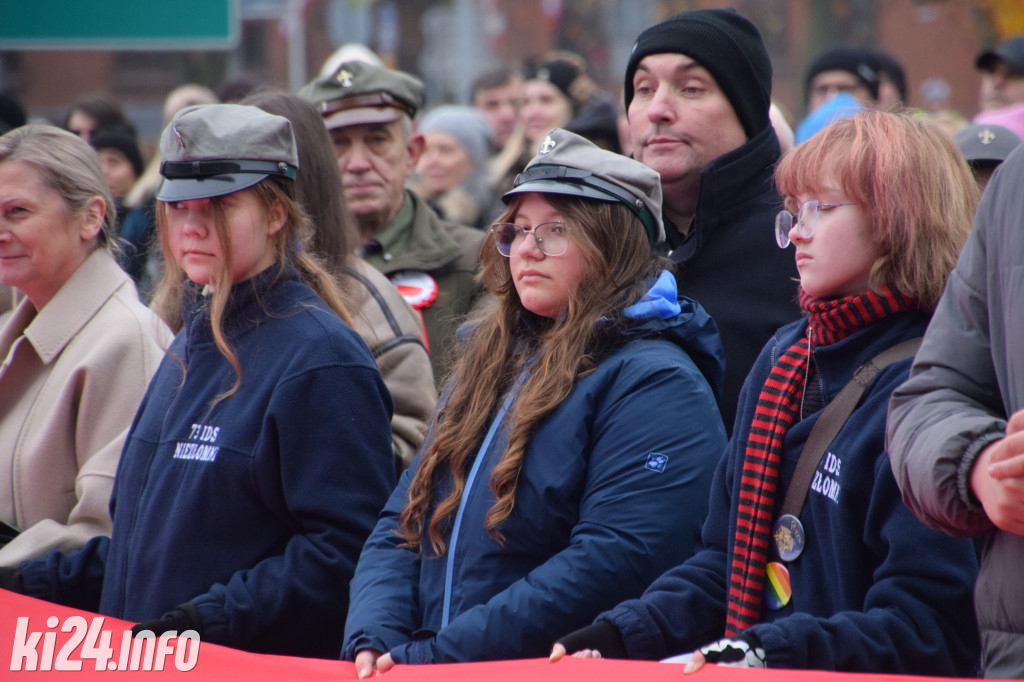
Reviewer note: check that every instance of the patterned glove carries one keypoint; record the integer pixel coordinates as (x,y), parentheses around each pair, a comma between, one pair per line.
(742,651)
(181,618)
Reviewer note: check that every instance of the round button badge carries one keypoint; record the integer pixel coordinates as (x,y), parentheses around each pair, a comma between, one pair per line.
(788,536)
(777,589)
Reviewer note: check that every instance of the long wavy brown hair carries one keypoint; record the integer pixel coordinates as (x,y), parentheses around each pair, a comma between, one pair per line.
(504,337)
(288,244)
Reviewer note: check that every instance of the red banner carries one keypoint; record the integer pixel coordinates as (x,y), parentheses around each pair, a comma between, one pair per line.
(41,639)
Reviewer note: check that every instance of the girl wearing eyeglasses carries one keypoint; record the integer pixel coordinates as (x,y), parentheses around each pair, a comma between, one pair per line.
(833,574)
(569,461)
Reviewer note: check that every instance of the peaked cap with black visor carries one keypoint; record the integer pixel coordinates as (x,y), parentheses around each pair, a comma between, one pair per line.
(569,164)
(209,150)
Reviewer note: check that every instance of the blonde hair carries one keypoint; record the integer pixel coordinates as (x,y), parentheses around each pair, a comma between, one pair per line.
(911,184)
(289,247)
(68,165)
(618,259)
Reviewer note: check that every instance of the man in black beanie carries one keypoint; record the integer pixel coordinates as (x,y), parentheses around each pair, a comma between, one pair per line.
(697,94)
(842,69)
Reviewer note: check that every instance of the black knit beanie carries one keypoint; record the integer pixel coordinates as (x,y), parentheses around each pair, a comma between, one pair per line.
(122,139)
(567,71)
(728,46)
(861,63)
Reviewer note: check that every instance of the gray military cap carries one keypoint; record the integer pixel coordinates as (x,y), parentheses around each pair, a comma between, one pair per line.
(209,150)
(985,142)
(569,164)
(358,92)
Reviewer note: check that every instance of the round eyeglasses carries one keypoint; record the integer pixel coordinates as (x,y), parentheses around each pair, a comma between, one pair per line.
(806,220)
(551,238)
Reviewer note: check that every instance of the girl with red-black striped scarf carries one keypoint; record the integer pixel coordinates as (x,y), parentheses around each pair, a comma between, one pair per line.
(878,207)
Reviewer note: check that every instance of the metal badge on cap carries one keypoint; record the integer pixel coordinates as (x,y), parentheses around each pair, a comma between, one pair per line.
(547,145)
(345,78)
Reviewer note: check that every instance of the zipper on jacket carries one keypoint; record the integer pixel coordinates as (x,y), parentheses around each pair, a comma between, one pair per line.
(449,574)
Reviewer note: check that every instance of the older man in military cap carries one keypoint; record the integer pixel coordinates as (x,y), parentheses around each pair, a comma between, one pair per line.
(369,112)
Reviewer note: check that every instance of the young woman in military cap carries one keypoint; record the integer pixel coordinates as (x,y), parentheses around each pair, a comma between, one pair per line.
(570,458)
(261,454)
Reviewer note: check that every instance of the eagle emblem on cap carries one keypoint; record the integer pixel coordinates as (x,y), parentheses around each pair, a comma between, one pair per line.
(345,78)
(547,145)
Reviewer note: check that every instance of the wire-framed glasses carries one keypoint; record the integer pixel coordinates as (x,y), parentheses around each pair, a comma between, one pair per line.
(806,220)
(552,238)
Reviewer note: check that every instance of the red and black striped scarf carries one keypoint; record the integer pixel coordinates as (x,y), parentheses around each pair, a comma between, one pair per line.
(778,407)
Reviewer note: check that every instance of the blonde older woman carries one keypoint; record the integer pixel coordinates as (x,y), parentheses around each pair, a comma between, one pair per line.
(78,350)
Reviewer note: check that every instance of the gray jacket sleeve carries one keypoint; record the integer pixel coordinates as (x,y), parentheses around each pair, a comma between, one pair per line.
(959,393)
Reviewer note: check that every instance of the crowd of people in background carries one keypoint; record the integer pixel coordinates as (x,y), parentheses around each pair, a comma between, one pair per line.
(347,373)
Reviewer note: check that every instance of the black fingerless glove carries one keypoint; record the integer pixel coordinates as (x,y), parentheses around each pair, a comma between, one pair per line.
(181,618)
(741,651)
(602,636)
(10,579)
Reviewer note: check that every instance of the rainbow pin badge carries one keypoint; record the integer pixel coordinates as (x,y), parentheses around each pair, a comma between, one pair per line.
(777,588)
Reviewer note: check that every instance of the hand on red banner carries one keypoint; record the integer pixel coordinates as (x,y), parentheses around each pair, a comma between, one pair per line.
(180,619)
(10,579)
(587,653)
(741,651)
(558,651)
(695,663)
(372,662)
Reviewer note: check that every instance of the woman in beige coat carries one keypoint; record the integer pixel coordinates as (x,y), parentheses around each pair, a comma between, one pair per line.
(78,350)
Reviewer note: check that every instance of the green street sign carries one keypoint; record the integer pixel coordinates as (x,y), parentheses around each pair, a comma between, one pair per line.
(118,24)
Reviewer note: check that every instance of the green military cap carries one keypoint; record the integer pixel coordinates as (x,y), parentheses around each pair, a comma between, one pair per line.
(359,92)
(569,164)
(209,150)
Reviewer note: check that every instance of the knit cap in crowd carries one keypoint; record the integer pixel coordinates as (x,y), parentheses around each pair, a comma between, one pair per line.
(861,63)
(725,43)
(359,92)
(465,124)
(121,138)
(209,150)
(567,71)
(1010,52)
(572,165)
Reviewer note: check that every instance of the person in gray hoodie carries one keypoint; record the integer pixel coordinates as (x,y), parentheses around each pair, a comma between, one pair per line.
(956,427)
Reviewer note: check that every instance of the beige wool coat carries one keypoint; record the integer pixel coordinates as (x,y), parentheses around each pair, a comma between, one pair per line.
(72,377)
(394,333)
